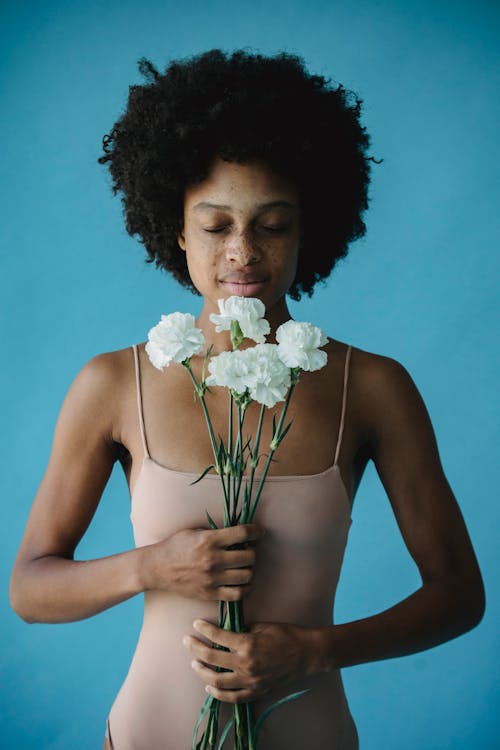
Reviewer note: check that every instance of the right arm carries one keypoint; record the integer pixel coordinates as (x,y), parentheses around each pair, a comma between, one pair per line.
(47,585)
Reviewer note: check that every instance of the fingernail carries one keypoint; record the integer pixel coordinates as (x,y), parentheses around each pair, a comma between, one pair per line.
(185,640)
(194,664)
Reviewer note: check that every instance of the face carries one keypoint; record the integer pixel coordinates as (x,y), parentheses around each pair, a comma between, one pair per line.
(241,233)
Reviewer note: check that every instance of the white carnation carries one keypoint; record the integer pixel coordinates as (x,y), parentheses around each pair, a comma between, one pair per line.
(298,345)
(248,312)
(258,369)
(229,369)
(174,339)
(270,378)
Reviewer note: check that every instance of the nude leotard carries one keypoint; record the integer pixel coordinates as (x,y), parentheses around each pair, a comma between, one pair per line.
(307,520)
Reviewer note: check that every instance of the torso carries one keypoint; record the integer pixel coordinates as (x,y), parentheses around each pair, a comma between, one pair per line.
(177,435)
(304,509)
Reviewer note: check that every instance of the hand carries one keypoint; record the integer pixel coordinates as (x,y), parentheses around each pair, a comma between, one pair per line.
(268,654)
(197,563)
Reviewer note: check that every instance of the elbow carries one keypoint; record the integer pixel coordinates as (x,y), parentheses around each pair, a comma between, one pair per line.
(461,600)
(18,608)
(475,608)
(469,603)
(18,602)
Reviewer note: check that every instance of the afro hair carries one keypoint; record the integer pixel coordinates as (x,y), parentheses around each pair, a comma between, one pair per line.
(241,107)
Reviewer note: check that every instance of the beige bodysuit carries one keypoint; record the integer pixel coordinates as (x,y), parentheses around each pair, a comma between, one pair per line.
(307,520)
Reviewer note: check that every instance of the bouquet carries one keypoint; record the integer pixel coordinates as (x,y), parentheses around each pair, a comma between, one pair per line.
(267,374)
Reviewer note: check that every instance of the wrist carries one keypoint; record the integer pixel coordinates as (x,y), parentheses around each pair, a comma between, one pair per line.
(145,567)
(320,650)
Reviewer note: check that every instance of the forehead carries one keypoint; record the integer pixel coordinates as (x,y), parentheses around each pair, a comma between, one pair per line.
(234,186)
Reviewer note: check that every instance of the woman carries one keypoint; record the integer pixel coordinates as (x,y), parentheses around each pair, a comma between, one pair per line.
(245,175)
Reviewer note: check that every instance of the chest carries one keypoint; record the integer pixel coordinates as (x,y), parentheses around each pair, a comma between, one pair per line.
(178,437)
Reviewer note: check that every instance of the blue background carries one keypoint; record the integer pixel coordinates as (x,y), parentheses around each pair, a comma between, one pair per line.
(419,287)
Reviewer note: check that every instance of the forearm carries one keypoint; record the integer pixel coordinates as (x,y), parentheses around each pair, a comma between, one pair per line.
(54,589)
(433,614)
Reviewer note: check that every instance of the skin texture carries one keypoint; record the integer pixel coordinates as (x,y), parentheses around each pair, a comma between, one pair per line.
(386,422)
(247,241)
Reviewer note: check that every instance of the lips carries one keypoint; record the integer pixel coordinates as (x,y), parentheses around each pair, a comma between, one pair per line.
(244,288)
(242,279)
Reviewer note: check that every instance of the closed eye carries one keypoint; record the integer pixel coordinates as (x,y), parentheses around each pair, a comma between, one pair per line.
(280,228)
(275,228)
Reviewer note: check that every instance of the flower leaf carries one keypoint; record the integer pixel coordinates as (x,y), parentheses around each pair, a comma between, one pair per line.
(211,521)
(225,732)
(212,466)
(285,431)
(204,710)
(270,708)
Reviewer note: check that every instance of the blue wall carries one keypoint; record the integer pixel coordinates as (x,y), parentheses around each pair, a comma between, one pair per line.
(419,287)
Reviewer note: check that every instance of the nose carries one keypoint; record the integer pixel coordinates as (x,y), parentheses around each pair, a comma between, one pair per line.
(242,250)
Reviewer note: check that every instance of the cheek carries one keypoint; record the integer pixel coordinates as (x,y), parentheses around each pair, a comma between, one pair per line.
(201,261)
(286,259)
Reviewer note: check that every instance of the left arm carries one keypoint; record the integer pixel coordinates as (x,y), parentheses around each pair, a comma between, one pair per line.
(451,599)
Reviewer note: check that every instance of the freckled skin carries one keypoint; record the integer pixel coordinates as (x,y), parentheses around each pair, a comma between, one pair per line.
(262,242)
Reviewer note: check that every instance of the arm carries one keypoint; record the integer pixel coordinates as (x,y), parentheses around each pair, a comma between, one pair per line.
(47,584)
(451,599)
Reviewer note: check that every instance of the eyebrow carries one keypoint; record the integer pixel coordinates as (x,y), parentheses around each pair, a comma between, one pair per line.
(260,207)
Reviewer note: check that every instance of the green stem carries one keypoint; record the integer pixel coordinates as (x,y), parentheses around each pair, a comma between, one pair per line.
(234,617)
(230,478)
(239,460)
(250,725)
(271,453)
(214,724)
(230,426)
(199,390)
(255,455)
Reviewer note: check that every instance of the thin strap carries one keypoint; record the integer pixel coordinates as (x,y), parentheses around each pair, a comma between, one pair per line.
(344,401)
(139,400)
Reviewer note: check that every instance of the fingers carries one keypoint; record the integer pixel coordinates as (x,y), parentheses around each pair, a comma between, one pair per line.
(210,657)
(226,686)
(238,558)
(233,584)
(245,532)
(227,638)
(235,577)
(237,683)
(231,696)
(232,593)
(229,687)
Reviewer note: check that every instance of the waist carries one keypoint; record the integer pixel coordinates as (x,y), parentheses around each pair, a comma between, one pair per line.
(166,612)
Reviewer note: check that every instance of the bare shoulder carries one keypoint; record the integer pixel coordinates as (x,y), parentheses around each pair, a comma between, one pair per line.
(100,388)
(102,374)
(370,372)
(381,390)
(378,375)
(385,391)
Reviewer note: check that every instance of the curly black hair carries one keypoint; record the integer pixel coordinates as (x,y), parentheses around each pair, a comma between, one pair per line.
(241,107)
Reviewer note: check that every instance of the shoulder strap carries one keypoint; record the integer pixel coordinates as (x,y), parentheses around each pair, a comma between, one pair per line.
(139,399)
(344,401)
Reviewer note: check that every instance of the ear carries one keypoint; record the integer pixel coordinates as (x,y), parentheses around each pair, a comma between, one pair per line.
(181,241)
